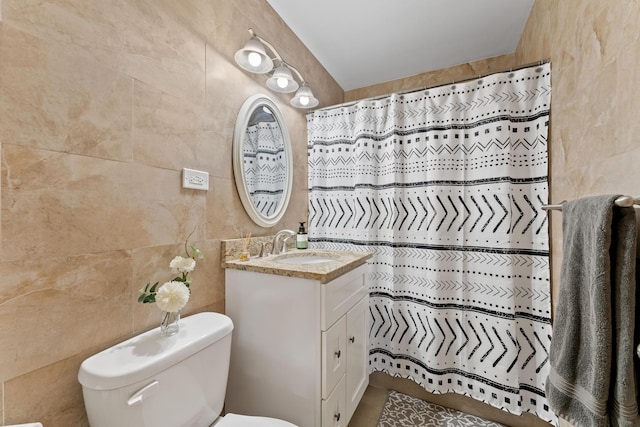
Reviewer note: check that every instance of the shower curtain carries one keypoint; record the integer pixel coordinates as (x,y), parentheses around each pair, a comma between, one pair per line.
(444,186)
(264,162)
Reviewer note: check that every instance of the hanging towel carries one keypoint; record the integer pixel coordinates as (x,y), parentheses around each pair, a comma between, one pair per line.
(592,379)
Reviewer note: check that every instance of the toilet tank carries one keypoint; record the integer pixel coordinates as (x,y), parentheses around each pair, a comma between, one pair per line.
(155,381)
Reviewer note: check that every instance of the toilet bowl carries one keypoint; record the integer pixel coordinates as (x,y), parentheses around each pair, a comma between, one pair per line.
(234,420)
(155,381)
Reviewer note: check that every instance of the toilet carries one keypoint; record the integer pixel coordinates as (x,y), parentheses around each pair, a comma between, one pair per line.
(155,381)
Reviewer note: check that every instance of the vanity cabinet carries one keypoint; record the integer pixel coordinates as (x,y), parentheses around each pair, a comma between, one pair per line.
(344,365)
(299,347)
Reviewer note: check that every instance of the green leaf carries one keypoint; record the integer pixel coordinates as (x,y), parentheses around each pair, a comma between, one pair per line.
(148,295)
(197,253)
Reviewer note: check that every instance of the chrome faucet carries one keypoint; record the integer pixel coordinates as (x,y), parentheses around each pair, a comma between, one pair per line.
(276,239)
(263,250)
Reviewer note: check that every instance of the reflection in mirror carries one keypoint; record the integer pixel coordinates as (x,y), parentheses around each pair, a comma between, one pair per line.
(262,160)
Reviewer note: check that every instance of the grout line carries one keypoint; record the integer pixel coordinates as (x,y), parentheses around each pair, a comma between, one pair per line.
(132,134)
(204,102)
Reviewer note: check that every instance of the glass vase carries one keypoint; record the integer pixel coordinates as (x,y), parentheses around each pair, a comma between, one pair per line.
(169,323)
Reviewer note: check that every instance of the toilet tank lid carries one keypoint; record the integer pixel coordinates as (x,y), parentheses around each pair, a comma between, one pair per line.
(148,354)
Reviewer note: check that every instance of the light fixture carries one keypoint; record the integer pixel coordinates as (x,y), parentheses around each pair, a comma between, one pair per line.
(304,98)
(253,57)
(282,80)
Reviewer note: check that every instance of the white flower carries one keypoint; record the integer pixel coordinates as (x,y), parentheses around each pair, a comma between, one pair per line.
(182,265)
(172,296)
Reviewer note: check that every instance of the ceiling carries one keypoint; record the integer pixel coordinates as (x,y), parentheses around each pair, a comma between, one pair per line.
(365,42)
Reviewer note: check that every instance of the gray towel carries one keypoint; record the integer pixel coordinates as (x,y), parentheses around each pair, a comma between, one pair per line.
(592,378)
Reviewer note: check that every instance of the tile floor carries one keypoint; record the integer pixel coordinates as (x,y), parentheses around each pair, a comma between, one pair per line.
(370,408)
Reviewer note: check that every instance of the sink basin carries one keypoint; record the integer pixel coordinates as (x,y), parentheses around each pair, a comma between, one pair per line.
(305,257)
(302,259)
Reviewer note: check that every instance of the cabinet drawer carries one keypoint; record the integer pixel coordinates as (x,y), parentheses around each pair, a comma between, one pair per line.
(334,407)
(339,295)
(334,355)
(357,376)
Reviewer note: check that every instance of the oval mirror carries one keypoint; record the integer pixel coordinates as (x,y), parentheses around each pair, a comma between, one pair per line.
(262,160)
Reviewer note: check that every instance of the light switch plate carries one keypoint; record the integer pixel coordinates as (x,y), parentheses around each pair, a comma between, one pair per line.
(195,179)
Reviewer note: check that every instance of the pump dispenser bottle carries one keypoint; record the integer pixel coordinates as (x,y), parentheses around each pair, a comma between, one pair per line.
(301,237)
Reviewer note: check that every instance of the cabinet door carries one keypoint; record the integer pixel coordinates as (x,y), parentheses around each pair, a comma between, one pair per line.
(357,354)
(334,407)
(334,355)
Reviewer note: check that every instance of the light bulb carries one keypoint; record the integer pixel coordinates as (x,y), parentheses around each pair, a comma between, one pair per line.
(282,82)
(254,59)
(304,100)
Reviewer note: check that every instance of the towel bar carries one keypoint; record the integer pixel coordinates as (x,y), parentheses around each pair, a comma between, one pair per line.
(622,201)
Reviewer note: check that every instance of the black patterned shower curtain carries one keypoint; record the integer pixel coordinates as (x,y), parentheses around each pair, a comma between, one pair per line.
(445,187)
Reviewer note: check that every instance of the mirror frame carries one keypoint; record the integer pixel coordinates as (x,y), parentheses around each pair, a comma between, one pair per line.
(247,109)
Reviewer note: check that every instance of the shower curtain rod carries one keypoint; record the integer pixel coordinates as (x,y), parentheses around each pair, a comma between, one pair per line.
(622,201)
(373,98)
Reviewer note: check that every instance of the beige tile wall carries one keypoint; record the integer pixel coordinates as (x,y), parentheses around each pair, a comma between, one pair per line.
(102,103)
(594,48)
(434,78)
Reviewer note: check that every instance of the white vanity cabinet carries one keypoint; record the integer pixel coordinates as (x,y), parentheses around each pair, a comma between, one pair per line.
(344,365)
(299,347)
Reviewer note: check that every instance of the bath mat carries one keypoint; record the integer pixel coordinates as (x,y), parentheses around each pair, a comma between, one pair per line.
(401,410)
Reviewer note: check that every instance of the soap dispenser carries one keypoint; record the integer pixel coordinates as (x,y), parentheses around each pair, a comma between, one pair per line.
(301,237)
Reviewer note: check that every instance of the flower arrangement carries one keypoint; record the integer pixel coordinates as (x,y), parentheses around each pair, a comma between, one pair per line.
(172,296)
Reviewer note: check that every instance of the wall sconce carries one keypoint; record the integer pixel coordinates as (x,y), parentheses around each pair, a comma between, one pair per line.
(253,57)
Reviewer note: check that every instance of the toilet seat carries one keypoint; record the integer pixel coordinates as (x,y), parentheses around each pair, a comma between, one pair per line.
(234,420)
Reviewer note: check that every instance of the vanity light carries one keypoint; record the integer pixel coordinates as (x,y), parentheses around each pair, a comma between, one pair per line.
(282,80)
(253,57)
(304,98)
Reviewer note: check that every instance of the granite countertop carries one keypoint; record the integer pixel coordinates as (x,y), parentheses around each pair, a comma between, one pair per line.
(342,262)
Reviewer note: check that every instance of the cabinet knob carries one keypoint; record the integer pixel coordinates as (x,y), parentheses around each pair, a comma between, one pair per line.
(337,416)
(338,353)
(352,339)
